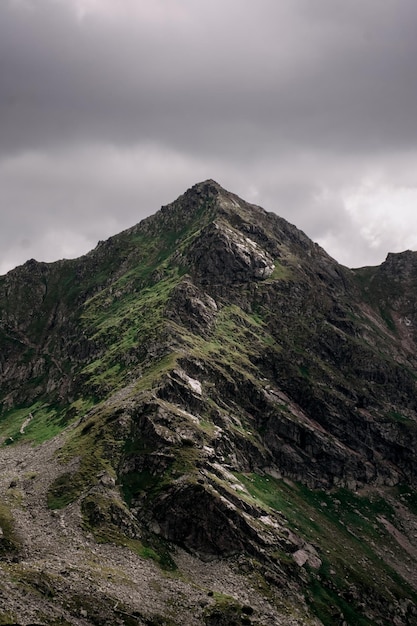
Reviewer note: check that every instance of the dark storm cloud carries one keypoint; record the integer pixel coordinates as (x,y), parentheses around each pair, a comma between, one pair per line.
(109,108)
(337,75)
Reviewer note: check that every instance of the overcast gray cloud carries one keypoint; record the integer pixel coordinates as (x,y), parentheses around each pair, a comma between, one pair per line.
(110,108)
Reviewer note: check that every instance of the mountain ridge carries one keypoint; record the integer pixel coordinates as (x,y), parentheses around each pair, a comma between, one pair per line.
(210,380)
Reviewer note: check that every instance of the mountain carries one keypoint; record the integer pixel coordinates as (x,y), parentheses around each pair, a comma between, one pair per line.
(208,421)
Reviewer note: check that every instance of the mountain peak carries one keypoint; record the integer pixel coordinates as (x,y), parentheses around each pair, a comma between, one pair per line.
(207,185)
(201,204)
(231,390)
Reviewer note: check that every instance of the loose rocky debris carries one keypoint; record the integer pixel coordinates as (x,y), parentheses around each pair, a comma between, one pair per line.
(61,575)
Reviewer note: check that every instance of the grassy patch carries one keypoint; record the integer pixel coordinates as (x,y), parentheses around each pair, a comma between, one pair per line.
(65,489)
(226,611)
(237,340)
(387,317)
(46,422)
(329,606)
(152,374)
(94,446)
(398,417)
(345,529)
(281,272)
(127,326)
(9,542)
(7,618)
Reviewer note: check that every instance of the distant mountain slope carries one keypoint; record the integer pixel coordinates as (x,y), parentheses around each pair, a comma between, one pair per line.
(223,386)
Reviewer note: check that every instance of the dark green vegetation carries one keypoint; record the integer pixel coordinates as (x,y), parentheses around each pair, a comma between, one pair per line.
(349,532)
(192,358)
(9,542)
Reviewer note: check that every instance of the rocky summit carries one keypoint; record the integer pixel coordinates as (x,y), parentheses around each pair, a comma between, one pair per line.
(208,421)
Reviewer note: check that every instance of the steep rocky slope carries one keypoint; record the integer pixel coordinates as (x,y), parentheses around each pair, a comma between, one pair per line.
(212,408)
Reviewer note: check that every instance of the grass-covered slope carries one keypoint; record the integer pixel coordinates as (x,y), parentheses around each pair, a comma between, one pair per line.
(69,330)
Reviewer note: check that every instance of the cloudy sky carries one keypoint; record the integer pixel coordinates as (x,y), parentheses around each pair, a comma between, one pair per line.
(111,108)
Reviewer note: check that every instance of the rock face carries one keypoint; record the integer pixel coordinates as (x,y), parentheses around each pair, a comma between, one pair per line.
(224,255)
(225,387)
